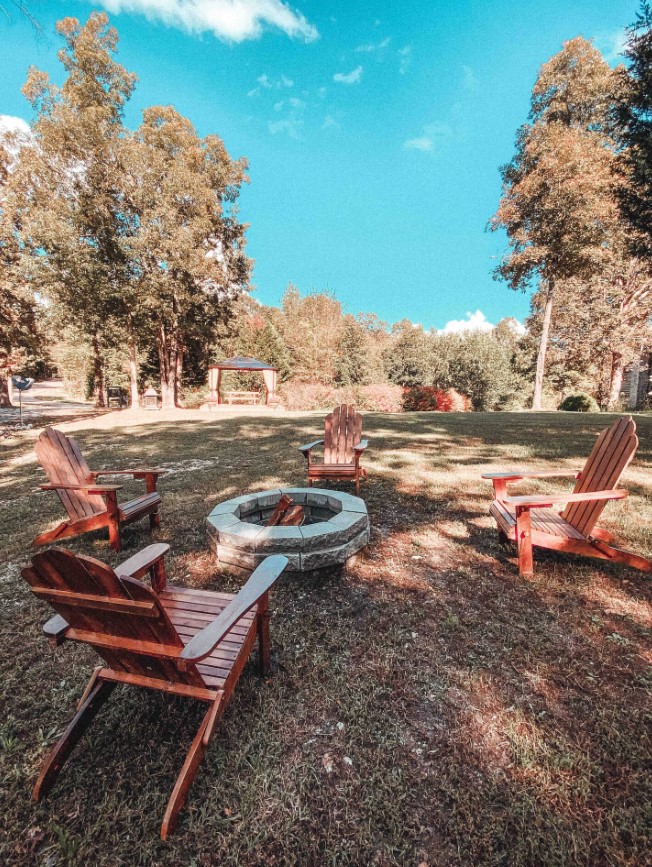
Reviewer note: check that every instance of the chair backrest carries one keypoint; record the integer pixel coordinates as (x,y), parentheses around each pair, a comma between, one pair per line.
(120,617)
(342,431)
(614,449)
(63,462)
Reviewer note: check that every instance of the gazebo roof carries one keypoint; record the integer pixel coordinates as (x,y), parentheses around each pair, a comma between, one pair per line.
(240,362)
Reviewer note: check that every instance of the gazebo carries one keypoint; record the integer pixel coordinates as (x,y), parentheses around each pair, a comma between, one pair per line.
(242,363)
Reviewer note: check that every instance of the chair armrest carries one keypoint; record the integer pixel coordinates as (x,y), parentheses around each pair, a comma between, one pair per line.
(310,446)
(55,629)
(361,445)
(542,500)
(140,563)
(137,474)
(514,475)
(204,642)
(92,489)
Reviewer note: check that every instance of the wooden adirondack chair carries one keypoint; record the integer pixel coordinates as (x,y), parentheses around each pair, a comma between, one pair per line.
(531,522)
(343,445)
(89,505)
(192,643)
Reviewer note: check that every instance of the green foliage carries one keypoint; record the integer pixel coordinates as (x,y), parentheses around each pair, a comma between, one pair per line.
(634,115)
(351,363)
(579,402)
(408,358)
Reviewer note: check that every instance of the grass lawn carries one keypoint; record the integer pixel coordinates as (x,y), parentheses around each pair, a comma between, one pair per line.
(428,706)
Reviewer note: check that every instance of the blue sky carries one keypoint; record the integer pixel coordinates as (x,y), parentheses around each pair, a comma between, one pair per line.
(374,130)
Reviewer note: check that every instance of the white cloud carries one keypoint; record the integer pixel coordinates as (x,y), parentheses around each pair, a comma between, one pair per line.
(373,46)
(474,322)
(405,55)
(322,91)
(330,123)
(9,123)
(433,135)
(293,102)
(230,20)
(292,127)
(420,143)
(16,133)
(352,77)
(266,83)
(611,44)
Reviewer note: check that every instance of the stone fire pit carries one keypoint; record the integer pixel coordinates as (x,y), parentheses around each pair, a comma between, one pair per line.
(335,528)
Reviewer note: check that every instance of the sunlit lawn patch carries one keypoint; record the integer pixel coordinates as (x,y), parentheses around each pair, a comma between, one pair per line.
(427,704)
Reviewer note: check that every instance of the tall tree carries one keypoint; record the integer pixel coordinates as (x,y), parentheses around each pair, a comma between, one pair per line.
(311,325)
(74,219)
(187,254)
(409,356)
(634,118)
(602,324)
(558,207)
(18,330)
(352,360)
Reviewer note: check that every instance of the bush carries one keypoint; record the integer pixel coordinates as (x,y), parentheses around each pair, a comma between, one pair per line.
(313,395)
(427,398)
(579,402)
(459,402)
(194,397)
(379,398)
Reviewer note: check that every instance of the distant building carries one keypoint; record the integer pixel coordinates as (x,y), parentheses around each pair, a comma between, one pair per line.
(637,383)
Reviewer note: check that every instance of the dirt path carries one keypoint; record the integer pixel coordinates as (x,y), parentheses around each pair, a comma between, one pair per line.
(46,400)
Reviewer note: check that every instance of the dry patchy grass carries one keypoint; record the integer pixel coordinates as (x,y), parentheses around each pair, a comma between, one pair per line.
(427,706)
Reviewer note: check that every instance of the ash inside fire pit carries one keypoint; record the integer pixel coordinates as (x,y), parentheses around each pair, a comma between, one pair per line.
(336,526)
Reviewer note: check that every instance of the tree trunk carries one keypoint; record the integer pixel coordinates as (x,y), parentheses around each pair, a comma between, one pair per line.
(5,400)
(98,374)
(167,365)
(616,384)
(178,375)
(133,371)
(543,349)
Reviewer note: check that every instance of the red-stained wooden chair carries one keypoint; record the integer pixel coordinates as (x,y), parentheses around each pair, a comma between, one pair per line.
(531,522)
(343,446)
(90,506)
(192,643)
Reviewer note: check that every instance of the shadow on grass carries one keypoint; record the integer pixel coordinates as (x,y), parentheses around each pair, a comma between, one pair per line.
(427,705)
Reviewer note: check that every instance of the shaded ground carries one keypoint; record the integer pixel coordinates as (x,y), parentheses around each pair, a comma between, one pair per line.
(428,705)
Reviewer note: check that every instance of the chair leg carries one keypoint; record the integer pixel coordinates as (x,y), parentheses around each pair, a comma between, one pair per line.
(524,542)
(154,520)
(62,749)
(190,767)
(114,535)
(357,485)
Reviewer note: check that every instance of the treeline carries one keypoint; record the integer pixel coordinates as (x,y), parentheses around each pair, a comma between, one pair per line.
(113,240)
(122,259)
(577,209)
(314,342)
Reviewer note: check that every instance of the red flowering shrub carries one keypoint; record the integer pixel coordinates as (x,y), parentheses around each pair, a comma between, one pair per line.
(427,398)
(459,402)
